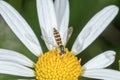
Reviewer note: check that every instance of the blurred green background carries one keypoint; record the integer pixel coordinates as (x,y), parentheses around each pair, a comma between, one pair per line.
(80,12)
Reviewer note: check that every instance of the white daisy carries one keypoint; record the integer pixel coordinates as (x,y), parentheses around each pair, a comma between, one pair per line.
(51,65)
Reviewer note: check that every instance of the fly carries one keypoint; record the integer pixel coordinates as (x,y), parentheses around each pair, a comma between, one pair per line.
(59,41)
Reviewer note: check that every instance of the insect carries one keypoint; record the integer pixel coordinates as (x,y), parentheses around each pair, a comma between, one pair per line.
(59,41)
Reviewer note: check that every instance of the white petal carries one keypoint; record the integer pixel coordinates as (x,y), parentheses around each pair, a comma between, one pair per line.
(15,69)
(62,13)
(94,28)
(106,74)
(12,56)
(20,27)
(101,61)
(47,20)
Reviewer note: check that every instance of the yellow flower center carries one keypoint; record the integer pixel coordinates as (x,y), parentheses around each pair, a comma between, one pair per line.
(53,66)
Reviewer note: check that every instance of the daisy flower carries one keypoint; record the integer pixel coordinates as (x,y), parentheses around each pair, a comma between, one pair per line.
(58,63)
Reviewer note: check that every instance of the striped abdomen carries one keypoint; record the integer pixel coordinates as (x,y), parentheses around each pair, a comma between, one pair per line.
(58,40)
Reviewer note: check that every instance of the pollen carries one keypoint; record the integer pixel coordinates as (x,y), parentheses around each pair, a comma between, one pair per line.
(53,66)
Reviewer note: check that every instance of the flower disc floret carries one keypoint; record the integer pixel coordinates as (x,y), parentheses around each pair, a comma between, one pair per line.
(53,66)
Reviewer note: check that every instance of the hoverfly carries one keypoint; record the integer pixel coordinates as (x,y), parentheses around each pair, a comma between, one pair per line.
(59,41)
